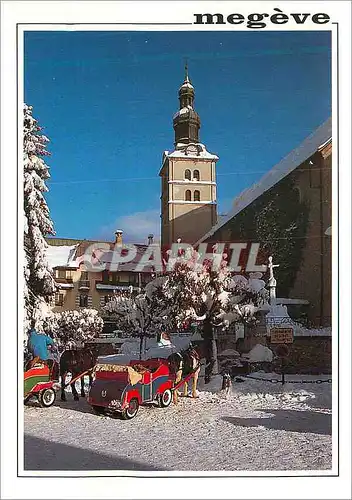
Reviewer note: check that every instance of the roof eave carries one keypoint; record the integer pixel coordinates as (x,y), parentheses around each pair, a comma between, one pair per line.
(318,147)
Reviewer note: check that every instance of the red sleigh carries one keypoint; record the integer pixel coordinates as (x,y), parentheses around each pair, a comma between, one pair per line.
(123,388)
(40,382)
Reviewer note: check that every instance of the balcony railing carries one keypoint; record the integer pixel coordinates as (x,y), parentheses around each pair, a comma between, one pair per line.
(117,283)
(84,285)
(64,280)
(109,285)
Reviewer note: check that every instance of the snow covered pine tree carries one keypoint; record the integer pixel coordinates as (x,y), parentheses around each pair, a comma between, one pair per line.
(39,284)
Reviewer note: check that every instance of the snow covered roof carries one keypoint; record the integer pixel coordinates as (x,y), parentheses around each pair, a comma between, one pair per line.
(182,111)
(109,257)
(313,332)
(187,85)
(296,157)
(72,255)
(278,316)
(61,256)
(182,151)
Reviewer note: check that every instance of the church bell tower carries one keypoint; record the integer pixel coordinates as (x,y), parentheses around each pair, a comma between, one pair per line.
(188,182)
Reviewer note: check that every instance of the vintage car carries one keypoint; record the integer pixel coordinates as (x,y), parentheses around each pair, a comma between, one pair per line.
(123,388)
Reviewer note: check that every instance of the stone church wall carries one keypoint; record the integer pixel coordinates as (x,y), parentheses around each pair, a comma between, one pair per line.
(307,355)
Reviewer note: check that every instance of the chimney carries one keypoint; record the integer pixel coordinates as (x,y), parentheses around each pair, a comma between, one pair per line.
(118,236)
(150,239)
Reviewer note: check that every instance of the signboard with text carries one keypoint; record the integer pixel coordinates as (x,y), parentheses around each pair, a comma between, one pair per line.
(281,335)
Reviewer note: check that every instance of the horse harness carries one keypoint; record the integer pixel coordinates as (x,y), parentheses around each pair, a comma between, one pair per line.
(190,354)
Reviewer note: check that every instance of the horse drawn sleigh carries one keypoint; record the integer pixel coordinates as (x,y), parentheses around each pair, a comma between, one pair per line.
(115,387)
(122,389)
(42,378)
(41,382)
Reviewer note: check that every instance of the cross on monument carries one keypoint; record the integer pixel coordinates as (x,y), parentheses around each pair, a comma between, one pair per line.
(272,280)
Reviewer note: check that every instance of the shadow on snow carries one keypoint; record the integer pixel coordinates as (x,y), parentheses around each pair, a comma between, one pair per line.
(81,406)
(40,454)
(288,420)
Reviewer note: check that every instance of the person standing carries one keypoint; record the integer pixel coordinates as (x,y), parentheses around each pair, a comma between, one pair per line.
(38,346)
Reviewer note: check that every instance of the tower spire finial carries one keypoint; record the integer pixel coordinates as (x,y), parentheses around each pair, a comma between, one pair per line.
(186,70)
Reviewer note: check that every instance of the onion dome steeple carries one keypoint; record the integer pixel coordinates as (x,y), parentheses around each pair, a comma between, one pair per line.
(186,121)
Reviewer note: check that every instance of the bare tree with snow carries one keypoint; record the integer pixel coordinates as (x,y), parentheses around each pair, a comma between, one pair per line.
(39,284)
(213,296)
(144,315)
(190,292)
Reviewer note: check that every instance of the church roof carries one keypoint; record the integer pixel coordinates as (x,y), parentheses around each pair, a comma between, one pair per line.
(320,137)
(183,111)
(186,85)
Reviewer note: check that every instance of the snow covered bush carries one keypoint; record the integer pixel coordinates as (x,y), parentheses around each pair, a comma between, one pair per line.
(260,353)
(39,284)
(78,326)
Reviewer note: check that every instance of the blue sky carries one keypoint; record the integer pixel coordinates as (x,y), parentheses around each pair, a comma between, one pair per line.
(106,101)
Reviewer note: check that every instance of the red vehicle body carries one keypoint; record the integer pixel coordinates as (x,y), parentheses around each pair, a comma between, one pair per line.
(41,382)
(123,389)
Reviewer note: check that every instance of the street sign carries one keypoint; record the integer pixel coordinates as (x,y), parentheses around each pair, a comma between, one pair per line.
(281,335)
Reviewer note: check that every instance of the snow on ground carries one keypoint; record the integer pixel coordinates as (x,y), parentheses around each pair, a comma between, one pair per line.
(257,426)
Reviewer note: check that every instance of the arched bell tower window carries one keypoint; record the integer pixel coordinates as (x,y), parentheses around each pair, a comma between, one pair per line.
(188,195)
(196,175)
(196,195)
(188,174)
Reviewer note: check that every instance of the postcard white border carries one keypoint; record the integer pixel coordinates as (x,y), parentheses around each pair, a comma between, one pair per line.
(111,487)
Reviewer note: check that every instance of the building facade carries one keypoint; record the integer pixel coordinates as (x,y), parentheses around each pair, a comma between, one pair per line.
(289,213)
(80,286)
(188,178)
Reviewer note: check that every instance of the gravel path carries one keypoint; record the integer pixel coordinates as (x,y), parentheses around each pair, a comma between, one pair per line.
(254,428)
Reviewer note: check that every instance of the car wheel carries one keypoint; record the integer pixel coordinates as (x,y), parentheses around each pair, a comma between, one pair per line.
(131,411)
(47,398)
(165,399)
